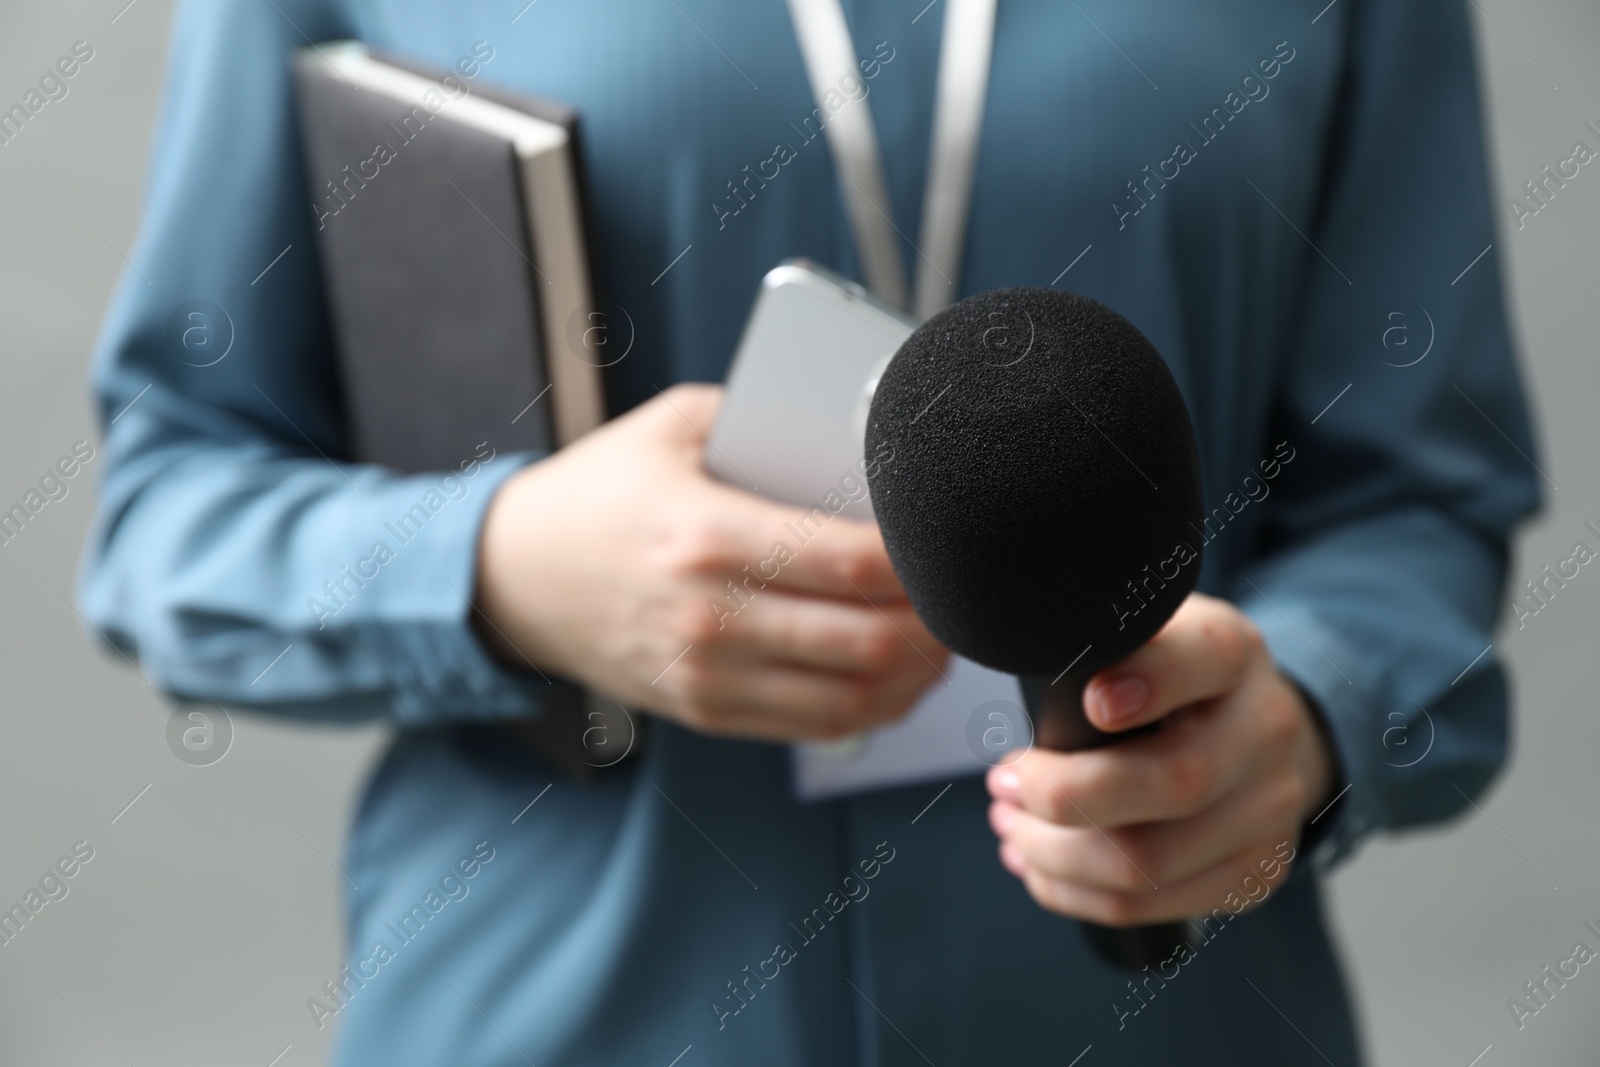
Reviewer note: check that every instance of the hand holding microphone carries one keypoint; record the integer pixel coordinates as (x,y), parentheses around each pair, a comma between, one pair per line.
(1044,515)
(1165,826)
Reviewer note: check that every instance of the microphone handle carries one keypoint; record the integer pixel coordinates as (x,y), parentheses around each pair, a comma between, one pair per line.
(1056,709)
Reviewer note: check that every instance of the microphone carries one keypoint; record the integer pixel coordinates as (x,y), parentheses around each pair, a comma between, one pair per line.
(1042,508)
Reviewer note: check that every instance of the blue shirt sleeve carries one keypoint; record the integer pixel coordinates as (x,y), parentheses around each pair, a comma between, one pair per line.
(1387,537)
(235,556)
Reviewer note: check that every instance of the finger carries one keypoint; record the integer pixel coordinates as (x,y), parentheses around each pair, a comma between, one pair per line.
(695,406)
(841,704)
(1153,855)
(1201,653)
(1173,773)
(834,556)
(1080,855)
(729,533)
(830,634)
(1207,899)
(777,702)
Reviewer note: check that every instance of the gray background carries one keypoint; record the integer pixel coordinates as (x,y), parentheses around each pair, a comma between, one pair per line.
(209,912)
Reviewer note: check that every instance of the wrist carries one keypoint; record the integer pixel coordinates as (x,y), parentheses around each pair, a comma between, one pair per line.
(500,569)
(1317,758)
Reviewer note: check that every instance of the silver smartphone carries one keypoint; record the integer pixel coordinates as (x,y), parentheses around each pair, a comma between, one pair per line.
(794,418)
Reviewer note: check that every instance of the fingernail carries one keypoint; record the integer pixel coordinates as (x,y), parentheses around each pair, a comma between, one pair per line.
(1002,817)
(1011,859)
(1121,700)
(1004,784)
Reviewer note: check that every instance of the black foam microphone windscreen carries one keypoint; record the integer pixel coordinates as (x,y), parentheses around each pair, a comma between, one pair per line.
(1044,478)
(1043,504)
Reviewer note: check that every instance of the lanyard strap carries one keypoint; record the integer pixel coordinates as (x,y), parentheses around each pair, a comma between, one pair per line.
(964,55)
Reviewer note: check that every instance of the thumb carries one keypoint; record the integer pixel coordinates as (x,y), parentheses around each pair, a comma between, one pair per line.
(691,407)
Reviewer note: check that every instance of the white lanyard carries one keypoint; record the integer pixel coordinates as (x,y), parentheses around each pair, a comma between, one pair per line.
(964,54)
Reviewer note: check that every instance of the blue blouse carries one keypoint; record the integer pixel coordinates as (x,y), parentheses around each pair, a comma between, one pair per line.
(1293,206)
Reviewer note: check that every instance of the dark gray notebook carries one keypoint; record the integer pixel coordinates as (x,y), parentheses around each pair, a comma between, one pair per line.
(451,238)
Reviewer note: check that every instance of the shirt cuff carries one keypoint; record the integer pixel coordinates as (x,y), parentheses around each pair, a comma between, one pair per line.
(421,622)
(1329,672)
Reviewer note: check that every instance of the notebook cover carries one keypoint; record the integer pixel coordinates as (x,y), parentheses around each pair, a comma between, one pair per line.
(428,275)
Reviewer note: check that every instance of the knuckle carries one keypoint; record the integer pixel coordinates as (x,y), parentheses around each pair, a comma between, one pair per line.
(697,715)
(1061,803)
(1189,777)
(1280,719)
(836,728)
(1291,799)
(1119,909)
(1050,894)
(1227,642)
(1250,636)
(1042,892)
(699,624)
(687,399)
(856,703)
(1078,786)
(1137,860)
(854,567)
(696,549)
(902,689)
(691,677)
(878,647)
(884,704)
(1125,875)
